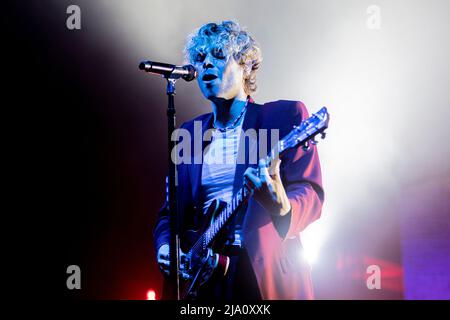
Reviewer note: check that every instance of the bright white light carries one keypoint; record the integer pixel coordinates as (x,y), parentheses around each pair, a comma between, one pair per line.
(151,295)
(312,239)
(311,254)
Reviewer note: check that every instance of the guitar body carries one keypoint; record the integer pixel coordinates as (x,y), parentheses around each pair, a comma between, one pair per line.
(207,262)
(203,264)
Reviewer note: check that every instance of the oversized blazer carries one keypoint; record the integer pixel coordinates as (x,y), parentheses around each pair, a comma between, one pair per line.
(273,244)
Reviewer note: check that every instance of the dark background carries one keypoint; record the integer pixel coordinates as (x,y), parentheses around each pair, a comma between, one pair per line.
(92,169)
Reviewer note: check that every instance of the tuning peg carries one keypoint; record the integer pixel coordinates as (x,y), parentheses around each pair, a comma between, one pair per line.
(323,135)
(314,142)
(305,146)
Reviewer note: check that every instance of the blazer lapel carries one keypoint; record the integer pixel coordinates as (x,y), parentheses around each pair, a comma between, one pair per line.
(196,168)
(251,121)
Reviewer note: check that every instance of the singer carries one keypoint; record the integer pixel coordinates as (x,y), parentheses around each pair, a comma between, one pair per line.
(261,255)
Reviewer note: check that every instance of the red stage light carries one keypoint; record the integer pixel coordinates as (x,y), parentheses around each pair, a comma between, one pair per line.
(151,294)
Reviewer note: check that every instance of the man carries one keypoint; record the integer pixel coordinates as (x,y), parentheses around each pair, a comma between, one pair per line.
(263,240)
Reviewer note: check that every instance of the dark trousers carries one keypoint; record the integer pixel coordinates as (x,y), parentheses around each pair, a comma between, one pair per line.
(239,284)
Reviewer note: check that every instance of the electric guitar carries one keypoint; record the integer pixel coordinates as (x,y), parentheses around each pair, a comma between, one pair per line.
(202,261)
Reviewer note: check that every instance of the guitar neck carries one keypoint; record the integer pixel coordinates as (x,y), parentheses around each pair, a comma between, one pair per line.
(226,214)
(231,208)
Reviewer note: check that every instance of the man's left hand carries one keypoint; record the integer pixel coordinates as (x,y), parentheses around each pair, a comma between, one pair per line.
(267,188)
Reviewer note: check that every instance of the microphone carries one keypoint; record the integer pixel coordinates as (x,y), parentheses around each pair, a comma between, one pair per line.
(187,72)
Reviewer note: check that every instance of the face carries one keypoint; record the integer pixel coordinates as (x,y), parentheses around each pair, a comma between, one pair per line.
(219,75)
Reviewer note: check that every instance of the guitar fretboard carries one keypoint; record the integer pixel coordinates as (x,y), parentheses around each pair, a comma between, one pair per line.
(232,207)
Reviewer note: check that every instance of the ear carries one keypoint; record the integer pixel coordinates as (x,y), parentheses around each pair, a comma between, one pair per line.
(247,69)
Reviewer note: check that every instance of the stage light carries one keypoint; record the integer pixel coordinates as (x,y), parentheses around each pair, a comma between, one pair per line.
(151,294)
(311,255)
(313,238)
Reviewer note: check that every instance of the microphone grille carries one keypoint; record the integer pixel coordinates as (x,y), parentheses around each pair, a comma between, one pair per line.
(192,72)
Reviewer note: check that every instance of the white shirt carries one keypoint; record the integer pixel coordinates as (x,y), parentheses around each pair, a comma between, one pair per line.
(219,166)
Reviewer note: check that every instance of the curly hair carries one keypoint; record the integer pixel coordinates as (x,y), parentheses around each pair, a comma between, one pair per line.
(233,40)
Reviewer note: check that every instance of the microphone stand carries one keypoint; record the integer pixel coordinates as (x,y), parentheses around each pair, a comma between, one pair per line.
(174,242)
(171,73)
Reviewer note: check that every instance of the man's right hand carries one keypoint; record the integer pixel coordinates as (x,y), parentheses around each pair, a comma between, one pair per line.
(163,258)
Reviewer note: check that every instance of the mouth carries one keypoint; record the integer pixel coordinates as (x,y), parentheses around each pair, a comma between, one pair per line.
(208,77)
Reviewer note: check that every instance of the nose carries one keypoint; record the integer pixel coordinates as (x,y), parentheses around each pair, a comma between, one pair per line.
(207,63)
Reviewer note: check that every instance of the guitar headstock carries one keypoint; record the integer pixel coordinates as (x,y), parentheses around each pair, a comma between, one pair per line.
(305,133)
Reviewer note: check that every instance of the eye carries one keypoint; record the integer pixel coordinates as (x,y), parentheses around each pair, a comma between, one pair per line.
(218,53)
(199,57)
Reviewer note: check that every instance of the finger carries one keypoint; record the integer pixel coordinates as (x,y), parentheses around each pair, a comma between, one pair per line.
(266,179)
(274,169)
(250,185)
(250,170)
(270,188)
(262,163)
(185,276)
(184,263)
(164,263)
(163,256)
(253,181)
(249,175)
(263,172)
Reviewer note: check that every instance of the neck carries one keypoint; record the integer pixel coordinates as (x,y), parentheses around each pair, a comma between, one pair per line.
(227,110)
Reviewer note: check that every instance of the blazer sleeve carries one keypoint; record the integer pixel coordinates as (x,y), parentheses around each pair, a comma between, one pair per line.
(161,231)
(302,180)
